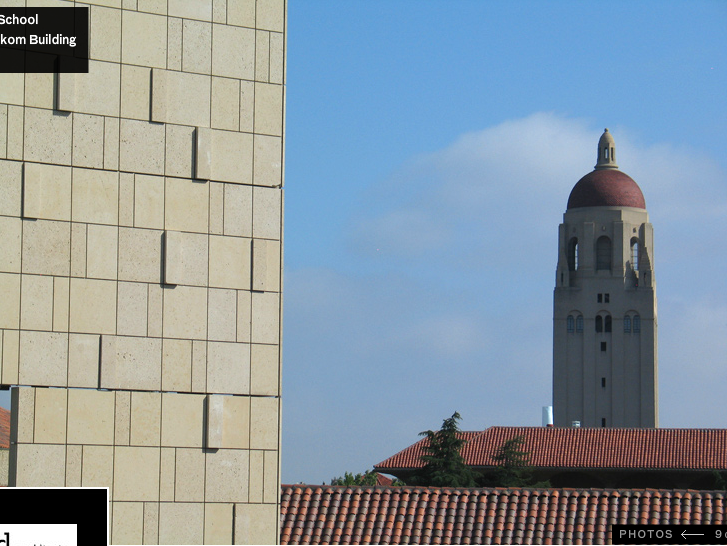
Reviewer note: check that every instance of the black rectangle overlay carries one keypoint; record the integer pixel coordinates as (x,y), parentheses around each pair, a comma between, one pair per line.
(44,40)
(669,534)
(87,507)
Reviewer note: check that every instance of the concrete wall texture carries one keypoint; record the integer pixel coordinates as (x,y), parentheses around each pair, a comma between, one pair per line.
(141,223)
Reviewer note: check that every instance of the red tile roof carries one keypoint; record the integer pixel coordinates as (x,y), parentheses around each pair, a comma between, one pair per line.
(550,447)
(413,515)
(4,428)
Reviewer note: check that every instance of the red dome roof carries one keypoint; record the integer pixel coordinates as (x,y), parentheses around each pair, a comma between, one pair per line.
(606,188)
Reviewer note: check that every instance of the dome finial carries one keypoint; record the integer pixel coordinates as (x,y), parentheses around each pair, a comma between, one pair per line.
(606,152)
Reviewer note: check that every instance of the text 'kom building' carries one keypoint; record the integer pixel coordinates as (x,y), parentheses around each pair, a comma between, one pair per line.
(604,314)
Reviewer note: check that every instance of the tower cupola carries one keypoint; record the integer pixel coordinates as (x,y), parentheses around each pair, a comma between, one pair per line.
(606,152)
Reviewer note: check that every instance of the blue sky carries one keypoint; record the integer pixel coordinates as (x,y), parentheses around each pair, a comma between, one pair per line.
(430,150)
(431,146)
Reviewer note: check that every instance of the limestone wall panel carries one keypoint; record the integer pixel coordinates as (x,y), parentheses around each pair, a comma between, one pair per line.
(78,92)
(83,360)
(91,416)
(43,358)
(224,156)
(227,475)
(185,258)
(181,98)
(130,363)
(36,296)
(10,244)
(136,473)
(256,523)
(182,420)
(11,183)
(185,312)
(144,39)
(46,247)
(181,523)
(177,365)
(46,192)
(197,46)
(95,196)
(93,306)
(228,368)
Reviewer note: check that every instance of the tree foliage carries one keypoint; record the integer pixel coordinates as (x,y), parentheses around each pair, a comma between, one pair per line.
(370,477)
(444,464)
(513,466)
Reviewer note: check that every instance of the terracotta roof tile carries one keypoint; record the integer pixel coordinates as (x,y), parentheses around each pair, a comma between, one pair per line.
(550,447)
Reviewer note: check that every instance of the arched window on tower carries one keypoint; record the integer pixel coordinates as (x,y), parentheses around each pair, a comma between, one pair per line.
(573,254)
(637,324)
(570,324)
(607,323)
(579,324)
(599,323)
(603,254)
(627,324)
(635,254)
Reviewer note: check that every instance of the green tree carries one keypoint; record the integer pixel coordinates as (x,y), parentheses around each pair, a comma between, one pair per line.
(513,466)
(444,465)
(367,478)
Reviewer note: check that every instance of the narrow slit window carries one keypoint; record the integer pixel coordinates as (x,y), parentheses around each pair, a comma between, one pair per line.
(579,324)
(637,324)
(570,324)
(627,324)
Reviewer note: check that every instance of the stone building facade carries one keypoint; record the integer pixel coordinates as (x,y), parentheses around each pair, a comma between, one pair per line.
(141,236)
(604,318)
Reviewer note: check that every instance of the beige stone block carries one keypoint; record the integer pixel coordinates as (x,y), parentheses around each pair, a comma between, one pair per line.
(182,420)
(74,459)
(264,423)
(126,199)
(247,106)
(225,104)
(227,472)
(219,11)
(102,251)
(189,475)
(271,492)
(46,192)
(88,141)
(91,416)
(93,306)
(167,474)
(39,90)
(11,183)
(177,365)
(43,358)
(218,523)
(154,315)
(111,144)
(191,9)
(10,244)
(50,416)
(141,147)
(257,476)
(238,210)
(131,363)
(185,312)
(228,368)
(146,418)
(41,465)
(268,161)
(16,130)
(181,523)
(179,151)
(22,414)
(140,252)
(269,109)
(149,201)
(12,88)
(128,523)
(230,261)
(151,523)
(256,523)
(10,296)
(78,250)
(228,422)
(262,56)
(10,356)
(98,467)
(197,46)
(224,156)
(244,316)
(135,92)
(105,29)
(233,52)
(267,206)
(241,13)
(83,360)
(266,265)
(136,473)
(95,196)
(185,258)
(122,418)
(79,92)
(37,303)
(186,205)
(265,370)
(270,15)
(265,317)
(277,58)
(217,207)
(174,43)
(199,366)
(222,315)
(61,303)
(132,309)
(152,6)
(181,98)
(144,39)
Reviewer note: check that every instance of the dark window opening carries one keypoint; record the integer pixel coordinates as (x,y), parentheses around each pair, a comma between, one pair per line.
(603,346)
(599,298)
(627,324)
(603,254)
(608,323)
(570,324)
(637,324)
(599,323)
(603,422)
(579,324)
(603,382)
(606,298)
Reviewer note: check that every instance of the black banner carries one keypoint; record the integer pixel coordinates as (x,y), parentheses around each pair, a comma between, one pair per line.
(669,534)
(44,39)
